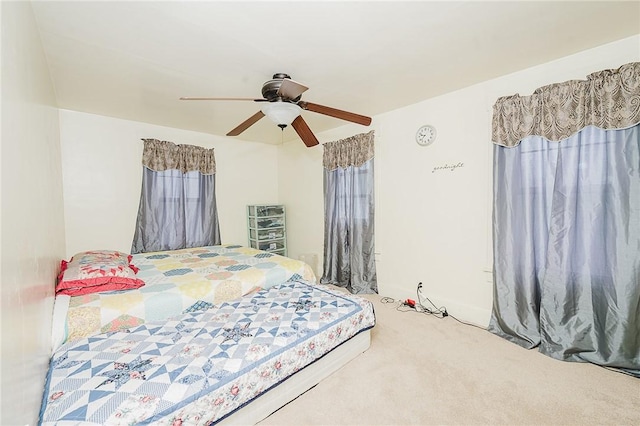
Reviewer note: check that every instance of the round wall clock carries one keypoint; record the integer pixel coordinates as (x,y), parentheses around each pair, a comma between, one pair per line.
(426,135)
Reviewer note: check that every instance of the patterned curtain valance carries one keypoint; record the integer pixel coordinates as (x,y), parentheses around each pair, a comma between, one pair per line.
(162,155)
(352,151)
(608,99)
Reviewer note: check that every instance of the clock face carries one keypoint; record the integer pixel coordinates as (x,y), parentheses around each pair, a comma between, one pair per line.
(426,135)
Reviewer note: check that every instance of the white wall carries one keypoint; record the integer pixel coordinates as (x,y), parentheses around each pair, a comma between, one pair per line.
(32,215)
(102,170)
(431,226)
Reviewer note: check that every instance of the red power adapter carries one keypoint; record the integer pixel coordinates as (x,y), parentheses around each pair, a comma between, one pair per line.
(410,302)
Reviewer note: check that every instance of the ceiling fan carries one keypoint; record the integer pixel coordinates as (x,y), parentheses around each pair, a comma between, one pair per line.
(284,105)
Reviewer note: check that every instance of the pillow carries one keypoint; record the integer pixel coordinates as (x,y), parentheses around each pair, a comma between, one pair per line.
(96,271)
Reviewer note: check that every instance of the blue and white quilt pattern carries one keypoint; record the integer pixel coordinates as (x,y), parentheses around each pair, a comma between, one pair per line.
(199,367)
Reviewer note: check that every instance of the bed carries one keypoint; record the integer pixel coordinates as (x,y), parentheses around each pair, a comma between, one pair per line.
(175,282)
(222,365)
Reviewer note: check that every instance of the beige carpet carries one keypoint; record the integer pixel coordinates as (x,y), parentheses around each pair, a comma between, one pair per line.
(425,371)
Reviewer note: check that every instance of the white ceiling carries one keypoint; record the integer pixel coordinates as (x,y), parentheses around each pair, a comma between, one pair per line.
(133,60)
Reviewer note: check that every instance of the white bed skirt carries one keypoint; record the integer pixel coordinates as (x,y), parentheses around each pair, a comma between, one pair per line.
(59,325)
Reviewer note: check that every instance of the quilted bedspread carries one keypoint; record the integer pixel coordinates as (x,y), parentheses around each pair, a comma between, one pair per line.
(180,281)
(199,367)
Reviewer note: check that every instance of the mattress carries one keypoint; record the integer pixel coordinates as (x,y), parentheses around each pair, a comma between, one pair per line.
(176,282)
(201,367)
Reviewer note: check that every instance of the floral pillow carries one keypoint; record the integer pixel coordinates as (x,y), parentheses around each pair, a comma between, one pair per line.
(96,271)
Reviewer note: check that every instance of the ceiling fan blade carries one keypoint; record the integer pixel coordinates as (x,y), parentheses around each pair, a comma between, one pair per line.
(290,89)
(189,98)
(332,112)
(246,124)
(304,132)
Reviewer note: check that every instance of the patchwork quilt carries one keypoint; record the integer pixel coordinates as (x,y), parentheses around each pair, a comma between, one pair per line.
(181,281)
(199,367)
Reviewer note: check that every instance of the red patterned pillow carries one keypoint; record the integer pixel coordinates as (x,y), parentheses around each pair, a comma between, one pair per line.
(95,271)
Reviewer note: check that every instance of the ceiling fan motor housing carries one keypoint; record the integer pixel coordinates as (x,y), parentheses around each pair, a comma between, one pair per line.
(271,87)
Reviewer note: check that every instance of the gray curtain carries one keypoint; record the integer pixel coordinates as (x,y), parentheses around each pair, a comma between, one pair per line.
(567,241)
(349,259)
(178,200)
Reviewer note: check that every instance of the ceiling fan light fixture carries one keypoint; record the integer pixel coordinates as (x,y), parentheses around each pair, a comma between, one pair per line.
(281,113)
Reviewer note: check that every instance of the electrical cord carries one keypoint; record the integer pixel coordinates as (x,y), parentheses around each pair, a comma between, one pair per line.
(390,300)
(468,323)
(436,312)
(442,311)
(439,313)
